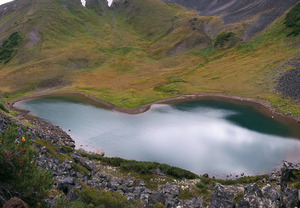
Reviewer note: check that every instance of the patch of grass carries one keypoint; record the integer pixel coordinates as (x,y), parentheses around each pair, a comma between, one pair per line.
(245,48)
(239,197)
(297,185)
(142,167)
(103,198)
(223,38)
(292,20)
(9,47)
(2,107)
(242,180)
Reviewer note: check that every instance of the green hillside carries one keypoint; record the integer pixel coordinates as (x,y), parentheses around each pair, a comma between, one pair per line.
(139,51)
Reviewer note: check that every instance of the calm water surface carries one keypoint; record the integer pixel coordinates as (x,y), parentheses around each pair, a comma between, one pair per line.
(202,136)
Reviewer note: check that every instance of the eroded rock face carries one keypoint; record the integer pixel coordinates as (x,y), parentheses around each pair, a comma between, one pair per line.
(222,198)
(288,83)
(255,197)
(88,164)
(289,198)
(289,171)
(262,12)
(194,203)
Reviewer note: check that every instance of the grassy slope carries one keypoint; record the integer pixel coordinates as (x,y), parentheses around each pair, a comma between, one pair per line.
(121,57)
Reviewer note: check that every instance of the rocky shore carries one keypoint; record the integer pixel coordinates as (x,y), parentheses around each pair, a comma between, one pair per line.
(279,189)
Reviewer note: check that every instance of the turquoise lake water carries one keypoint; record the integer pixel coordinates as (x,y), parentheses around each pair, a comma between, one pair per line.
(204,136)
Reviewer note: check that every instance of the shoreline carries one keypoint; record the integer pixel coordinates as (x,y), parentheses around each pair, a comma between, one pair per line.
(143,108)
(256,103)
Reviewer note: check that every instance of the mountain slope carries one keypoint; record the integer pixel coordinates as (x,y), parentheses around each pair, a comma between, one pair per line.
(261,12)
(138,51)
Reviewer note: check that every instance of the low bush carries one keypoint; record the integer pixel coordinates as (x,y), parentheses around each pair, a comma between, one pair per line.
(9,47)
(222,38)
(3,108)
(143,167)
(19,171)
(292,20)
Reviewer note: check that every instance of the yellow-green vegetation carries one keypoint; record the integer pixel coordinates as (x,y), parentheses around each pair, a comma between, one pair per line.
(19,172)
(140,51)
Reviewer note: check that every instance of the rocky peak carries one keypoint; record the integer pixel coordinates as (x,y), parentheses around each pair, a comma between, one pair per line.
(98,6)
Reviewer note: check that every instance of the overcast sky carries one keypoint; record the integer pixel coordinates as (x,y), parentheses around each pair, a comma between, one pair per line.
(83,1)
(4,1)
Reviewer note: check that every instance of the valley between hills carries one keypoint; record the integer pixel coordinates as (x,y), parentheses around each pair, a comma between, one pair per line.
(137,52)
(127,56)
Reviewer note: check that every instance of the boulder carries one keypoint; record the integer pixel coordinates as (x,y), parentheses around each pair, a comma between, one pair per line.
(156,197)
(61,150)
(205,175)
(196,202)
(15,202)
(83,161)
(66,184)
(288,171)
(270,192)
(289,198)
(172,190)
(100,152)
(254,197)
(222,198)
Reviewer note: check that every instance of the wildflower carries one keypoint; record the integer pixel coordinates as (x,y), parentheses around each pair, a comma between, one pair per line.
(23,139)
(21,161)
(38,204)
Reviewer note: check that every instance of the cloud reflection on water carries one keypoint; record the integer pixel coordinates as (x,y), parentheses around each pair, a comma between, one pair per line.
(201,139)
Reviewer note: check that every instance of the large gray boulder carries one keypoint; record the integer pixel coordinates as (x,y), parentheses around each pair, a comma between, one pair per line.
(255,197)
(222,198)
(289,198)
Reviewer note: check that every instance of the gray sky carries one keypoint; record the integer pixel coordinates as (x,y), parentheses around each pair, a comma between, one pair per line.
(83,1)
(109,2)
(4,1)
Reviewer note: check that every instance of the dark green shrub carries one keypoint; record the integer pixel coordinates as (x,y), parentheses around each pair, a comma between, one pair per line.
(143,167)
(201,186)
(3,108)
(222,38)
(297,185)
(292,20)
(9,47)
(18,169)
